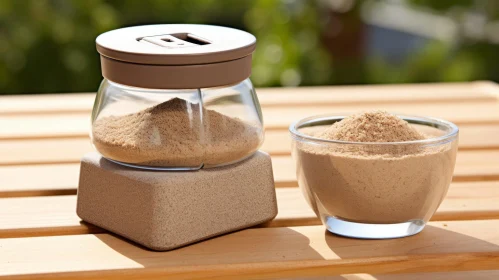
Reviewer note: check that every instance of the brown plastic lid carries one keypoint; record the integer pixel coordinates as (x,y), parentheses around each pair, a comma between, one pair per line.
(176,56)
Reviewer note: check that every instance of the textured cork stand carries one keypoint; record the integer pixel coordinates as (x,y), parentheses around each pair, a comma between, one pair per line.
(167,210)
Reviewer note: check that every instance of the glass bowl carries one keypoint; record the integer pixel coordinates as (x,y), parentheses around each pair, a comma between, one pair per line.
(374,190)
(177,129)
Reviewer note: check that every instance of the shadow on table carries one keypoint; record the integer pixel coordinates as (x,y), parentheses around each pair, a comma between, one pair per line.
(287,244)
(253,245)
(426,242)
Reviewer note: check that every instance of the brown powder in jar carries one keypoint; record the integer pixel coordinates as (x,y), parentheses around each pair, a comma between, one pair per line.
(175,133)
(385,184)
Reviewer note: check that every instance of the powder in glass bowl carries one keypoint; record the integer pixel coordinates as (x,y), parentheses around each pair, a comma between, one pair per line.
(373,183)
(175,133)
(372,126)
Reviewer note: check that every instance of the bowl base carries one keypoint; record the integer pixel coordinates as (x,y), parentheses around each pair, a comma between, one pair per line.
(372,231)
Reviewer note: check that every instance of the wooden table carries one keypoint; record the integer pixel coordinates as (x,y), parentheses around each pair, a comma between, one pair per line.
(43,137)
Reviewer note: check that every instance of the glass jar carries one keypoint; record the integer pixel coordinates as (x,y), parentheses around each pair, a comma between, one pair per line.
(176,129)
(374,190)
(176,97)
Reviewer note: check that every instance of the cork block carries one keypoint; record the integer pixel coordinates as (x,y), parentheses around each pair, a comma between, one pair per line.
(164,210)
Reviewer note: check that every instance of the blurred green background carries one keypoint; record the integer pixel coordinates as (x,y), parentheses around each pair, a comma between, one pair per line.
(47,46)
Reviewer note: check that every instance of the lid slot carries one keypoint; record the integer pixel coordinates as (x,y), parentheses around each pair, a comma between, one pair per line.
(191,38)
(167,41)
(178,40)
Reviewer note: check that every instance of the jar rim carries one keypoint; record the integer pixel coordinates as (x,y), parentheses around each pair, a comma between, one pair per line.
(451,129)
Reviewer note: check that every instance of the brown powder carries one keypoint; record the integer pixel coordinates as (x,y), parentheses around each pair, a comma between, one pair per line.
(372,126)
(175,133)
(374,183)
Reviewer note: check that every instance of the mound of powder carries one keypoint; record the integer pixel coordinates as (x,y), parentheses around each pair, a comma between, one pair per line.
(175,133)
(374,183)
(372,126)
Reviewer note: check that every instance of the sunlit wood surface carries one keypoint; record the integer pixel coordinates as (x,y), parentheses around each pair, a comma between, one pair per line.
(42,138)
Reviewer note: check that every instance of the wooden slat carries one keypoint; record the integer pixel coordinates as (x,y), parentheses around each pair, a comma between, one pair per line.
(303,96)
(277,142)
(464,201)
(158,274)
(55,179)
(36,180)
(78,124)
(44,126)
(471,137)
(455,275)
(264,252)
(470,166)
(46,103)
(42,151)
(458,112)
(55,215)
(379,94)
(41,216)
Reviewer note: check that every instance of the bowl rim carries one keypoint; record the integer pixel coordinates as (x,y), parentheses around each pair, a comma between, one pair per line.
(429,121)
